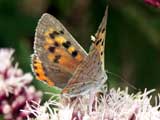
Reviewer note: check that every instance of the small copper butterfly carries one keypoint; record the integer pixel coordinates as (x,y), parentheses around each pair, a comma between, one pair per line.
(60,61)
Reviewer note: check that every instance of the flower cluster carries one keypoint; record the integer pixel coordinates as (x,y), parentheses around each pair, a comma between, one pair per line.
(15,90)
(113,105)
(155,3)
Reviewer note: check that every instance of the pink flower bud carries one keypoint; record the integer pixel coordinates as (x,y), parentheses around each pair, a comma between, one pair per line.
(155,3)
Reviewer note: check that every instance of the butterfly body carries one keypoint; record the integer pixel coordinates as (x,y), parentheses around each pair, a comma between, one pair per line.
(60,61)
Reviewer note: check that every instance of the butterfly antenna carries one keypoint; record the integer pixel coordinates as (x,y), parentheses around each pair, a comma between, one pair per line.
(118,76)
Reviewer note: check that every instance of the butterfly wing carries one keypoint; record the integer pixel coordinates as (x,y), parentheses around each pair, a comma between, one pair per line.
(56,52)
(90,74)
(99,42)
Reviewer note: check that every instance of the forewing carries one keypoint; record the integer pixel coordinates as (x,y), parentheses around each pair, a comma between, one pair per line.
(56,50)
(99,42)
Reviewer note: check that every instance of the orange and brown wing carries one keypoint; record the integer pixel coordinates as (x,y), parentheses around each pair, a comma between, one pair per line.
(57,51)
(100,35)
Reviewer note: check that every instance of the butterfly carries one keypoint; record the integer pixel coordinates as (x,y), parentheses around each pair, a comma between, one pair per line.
(59,60)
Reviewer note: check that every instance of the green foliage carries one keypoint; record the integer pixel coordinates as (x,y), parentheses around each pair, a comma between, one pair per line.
(47,90)
(1,117)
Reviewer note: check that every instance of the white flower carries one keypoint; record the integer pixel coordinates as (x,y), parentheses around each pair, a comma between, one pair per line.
(11,77)
(5,58)
(14,88)
(113,105)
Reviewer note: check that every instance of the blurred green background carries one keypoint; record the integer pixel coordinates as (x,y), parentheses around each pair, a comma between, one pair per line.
(133,34)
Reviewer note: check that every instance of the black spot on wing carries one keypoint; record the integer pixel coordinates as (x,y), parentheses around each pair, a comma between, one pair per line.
(56,44)
(34,61)
(51,49)
(102,43)
(101,53)
(67,44)
(98,41)
(103,30)
(61,32)
(37,74)
(74,53)
(57,57)
(53,34)
(35,67)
